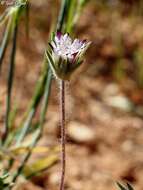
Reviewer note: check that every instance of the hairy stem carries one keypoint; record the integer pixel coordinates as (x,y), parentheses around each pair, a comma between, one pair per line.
(63,133)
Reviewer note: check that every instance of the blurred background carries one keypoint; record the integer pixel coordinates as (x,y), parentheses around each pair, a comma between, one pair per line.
(104,98)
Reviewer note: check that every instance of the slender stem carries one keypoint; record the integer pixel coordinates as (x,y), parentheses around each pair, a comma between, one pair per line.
(63,133)
(10,83)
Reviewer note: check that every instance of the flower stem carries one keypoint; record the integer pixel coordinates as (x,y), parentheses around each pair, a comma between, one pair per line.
(63,133)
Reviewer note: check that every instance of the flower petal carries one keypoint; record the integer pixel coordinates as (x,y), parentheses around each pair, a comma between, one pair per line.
(59,35)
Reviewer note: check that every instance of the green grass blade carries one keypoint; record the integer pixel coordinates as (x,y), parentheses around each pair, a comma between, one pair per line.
(62,15)
(4,17)
(39,166)
(12,116)
(5,41)
(71,13)
(33,105)
(10,82)
(40,128)
(83,2)
(19,134)
(26,127)
(14,15)
(129,186)
(121,186)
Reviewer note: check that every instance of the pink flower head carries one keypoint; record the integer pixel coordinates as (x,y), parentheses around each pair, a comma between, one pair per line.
(66,54)
(67,48)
